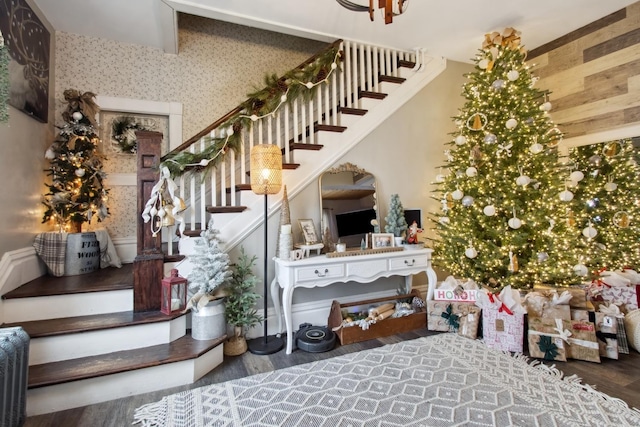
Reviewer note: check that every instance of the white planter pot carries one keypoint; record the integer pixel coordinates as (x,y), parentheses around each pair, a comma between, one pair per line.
(208,323)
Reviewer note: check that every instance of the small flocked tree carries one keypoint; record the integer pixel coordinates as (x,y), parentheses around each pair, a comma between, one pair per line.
(76,193)
(211,271)
(605,211)
(501,221)
(395,221)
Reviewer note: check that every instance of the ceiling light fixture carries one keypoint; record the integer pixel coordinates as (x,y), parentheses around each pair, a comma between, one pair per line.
(389,8)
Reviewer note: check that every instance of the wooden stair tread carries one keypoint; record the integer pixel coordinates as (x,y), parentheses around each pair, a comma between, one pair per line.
(391,79)
(290,166)
(184,348)
(372,95)
(353,111)
(94,322)
(301,146)
(239,187)
(223,209)
(105,279)
(330,128)
(406,64)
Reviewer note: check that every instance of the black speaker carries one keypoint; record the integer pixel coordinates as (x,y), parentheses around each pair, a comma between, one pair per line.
(315,339)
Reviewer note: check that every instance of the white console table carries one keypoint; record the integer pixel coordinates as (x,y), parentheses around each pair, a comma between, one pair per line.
(320,271)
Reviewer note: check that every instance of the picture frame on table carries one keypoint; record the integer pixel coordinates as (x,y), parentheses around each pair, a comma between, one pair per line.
(308,231)
(382,240)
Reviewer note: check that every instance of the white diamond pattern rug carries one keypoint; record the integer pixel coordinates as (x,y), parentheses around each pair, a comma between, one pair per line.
(442,380)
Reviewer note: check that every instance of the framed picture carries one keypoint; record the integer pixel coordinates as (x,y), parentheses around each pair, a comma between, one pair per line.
(382,240)
(411,215)
(308,231)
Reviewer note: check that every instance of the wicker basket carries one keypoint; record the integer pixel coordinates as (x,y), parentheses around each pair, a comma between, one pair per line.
(235,346)
(632,327)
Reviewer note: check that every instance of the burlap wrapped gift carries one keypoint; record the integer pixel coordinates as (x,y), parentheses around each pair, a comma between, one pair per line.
(583,344)
(460,317)
(548,304)
(606,330)
(548,338)
(578,294)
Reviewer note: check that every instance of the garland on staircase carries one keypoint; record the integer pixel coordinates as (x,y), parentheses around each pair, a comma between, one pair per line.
(300,82)
(4,81)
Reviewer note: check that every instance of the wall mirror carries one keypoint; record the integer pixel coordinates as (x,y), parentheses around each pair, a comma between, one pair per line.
(348,205)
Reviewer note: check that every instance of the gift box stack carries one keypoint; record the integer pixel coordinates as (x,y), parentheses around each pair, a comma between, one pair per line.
(556,323)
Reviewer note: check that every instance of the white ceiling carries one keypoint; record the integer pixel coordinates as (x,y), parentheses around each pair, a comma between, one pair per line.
(453,29)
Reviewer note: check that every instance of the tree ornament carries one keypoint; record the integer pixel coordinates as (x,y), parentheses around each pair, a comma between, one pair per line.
(483,64)
(471,171)
(576,176)
(612,149)
(476,153)
(498,84)
(610,185)
(536,147)
(490,138)
(545,106)
(461,140)
(79,172)
(511,123)
(489,210)
(471,252)
(523,180)
(621,219)
(580,270)
(467,201)
(513,262)
(571,218)
(513,75)
(555,136)
(514,222)
(49,154)
(542,256)
(77,116)
(457,194)
(444,220)
(595,160)
(439,178)
(590,231)
(477,121)
(566,195)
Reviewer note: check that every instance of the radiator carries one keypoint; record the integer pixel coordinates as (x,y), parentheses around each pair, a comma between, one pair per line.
(14,368)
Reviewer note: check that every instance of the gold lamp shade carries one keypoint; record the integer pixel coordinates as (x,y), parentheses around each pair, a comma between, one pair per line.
(266,169)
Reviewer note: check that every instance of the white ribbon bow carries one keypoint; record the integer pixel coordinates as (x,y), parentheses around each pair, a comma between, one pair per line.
(564,334)
(506,148)
(611,310)
(164,183)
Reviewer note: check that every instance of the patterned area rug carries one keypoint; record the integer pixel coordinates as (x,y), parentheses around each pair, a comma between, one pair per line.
(441,380)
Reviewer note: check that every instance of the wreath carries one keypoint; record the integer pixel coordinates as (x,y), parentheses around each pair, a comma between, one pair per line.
(123,130)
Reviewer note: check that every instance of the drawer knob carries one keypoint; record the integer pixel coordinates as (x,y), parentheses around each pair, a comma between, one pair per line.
(409,264)
(326,270)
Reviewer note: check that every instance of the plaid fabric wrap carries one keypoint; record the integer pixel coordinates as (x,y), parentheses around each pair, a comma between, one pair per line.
(51,248)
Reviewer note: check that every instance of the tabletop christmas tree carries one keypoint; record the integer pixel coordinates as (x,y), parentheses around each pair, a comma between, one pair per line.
(395,222)
(76,193)
(604,213)
(501,221)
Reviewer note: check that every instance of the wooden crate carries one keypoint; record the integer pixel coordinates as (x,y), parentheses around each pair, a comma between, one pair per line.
(383,328)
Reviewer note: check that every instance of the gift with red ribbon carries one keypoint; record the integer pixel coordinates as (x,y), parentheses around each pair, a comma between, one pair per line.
(619,287)
(502,319)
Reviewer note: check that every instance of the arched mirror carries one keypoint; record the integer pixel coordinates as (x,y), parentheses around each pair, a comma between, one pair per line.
(349,205)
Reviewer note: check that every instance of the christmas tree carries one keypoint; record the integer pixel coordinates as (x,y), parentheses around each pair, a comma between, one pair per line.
(395,221)
(603,215)
(76,192)
(500,223)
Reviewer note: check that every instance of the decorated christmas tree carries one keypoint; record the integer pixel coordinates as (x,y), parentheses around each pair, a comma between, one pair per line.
(501,221)
(76,193)
(603,215)
(395,221)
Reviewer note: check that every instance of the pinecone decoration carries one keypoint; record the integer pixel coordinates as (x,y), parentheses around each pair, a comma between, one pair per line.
(282,86)
(322,74)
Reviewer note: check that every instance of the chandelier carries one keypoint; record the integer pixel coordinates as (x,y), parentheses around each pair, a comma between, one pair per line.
(389,8)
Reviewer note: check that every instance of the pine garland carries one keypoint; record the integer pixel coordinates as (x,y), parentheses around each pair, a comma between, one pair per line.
(300,82)
(4,82)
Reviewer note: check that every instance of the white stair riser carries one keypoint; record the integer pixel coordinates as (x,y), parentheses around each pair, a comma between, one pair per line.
(56,306)
(348,119)
(368,103)
(44,400)
(72,346)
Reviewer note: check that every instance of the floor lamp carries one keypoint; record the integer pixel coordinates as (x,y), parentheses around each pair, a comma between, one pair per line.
(266,178)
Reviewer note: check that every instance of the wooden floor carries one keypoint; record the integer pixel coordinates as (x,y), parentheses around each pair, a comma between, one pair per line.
(618,378)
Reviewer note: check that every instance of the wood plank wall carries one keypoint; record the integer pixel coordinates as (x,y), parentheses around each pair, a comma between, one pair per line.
(593,74)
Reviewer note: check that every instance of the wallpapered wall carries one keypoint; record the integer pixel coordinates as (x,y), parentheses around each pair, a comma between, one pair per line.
(593,74)
(217,65)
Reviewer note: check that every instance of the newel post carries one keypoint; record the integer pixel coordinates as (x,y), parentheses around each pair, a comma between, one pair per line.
(148,266)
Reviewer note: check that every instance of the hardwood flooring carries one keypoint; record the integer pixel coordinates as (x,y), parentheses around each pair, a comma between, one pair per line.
(618,378)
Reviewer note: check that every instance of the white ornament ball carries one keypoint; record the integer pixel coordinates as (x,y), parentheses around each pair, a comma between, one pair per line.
(467,201)
(515,223)
(484,63)
(439,178)
(49,154)
(444,220)
(79,172)
(334,65)
(580,270)
(566,196)
(490,138)
(513,75)
(546,106)
(309,85)
(590,232)
(254,117)
(543,256)
(162,213)
(204,162)
(536,148)
(576,176)
(523,180)
(471,171)
(498,84)
(471,252)
(511,123)
(457,195)
(610,186)
(489,210)
(283,98)
(77,116)
(461,140)
(153,211)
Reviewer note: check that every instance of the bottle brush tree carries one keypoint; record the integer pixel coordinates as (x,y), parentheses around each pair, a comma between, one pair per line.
(395,221)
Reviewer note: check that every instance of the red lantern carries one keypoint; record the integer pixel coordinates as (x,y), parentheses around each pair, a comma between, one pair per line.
(174,293)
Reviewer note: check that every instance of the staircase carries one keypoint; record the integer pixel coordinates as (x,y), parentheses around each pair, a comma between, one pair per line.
(100,336)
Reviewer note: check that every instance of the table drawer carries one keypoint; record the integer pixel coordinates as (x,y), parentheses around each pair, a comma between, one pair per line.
(328,271)
(408,261)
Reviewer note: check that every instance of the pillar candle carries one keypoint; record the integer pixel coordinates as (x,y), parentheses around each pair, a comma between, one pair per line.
(285,229)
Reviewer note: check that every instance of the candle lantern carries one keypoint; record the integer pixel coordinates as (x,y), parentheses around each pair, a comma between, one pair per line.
(174,293)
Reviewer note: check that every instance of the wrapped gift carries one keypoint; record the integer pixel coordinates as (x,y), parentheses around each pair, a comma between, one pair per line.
(621,332)
(583,344)
(548,338)
(615,287)
(606,330)
(578,294)
(452,289)
(502,319)
(548,304)
(460,317)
